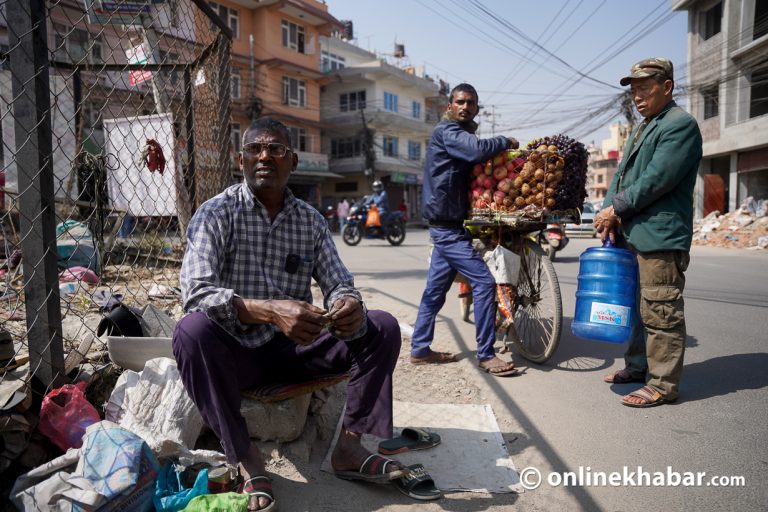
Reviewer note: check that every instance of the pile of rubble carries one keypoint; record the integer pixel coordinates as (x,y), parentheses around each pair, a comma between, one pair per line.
(745,228)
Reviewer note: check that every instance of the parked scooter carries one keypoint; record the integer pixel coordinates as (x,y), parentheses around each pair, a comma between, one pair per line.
(553,239)
(392,228)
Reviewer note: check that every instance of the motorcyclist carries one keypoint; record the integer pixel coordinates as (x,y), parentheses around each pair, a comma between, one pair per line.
(379,198)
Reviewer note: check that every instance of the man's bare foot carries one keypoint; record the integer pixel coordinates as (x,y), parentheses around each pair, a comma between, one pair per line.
(253,466)
(349,456)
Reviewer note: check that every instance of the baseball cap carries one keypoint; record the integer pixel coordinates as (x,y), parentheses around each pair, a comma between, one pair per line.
(650,67)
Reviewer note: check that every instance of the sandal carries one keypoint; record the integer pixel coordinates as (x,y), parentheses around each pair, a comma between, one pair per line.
(373,470)
(623,376)
(501,369)
(651,398)
(418,485)
(434,358)
(261,486)
(408,440)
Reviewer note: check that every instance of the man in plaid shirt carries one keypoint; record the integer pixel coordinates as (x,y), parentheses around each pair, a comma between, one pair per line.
(251,254)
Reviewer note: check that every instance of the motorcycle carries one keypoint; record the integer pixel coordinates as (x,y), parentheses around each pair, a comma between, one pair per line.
(392,228)
(331,218)
(553,239)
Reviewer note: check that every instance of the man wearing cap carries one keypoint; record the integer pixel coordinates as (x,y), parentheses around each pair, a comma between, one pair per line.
(649,210)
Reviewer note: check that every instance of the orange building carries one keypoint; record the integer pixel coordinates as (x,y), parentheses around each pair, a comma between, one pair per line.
(276,71)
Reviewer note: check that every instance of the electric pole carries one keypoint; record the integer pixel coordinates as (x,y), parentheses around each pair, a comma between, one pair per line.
(368,150)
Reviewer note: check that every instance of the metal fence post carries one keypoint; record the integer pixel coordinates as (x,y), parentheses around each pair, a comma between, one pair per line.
(31,112)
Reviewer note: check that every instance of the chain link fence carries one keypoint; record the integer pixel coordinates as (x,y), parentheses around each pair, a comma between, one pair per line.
(114,118)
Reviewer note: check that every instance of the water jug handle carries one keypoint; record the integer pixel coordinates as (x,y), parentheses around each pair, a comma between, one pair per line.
(607,243)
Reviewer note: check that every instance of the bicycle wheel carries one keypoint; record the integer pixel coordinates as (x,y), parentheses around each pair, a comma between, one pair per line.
(538,307)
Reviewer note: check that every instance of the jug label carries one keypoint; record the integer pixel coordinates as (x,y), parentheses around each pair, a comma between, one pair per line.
(609,314)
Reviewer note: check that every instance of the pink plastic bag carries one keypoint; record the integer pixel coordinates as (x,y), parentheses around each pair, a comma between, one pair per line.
(65,414)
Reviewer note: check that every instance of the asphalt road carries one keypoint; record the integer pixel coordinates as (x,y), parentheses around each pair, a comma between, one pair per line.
(561,417)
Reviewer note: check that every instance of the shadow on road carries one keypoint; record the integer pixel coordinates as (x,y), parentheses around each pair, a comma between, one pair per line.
(732,373)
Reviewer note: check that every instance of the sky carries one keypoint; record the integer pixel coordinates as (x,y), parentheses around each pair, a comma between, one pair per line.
(540,67)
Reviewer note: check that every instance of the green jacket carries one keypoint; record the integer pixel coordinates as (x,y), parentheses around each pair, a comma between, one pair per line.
(652,190)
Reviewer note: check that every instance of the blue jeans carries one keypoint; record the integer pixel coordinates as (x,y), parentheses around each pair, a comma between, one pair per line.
(453,252)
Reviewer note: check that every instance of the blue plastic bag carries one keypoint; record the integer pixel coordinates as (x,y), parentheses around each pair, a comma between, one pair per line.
(170,494)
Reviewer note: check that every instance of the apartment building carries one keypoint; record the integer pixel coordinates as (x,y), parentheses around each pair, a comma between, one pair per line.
(276,72)
(378,120)
(603,162)
(728,94)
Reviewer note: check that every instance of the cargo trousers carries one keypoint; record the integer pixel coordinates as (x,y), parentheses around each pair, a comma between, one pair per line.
(657,341)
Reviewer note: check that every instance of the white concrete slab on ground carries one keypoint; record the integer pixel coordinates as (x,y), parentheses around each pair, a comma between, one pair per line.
(472,455)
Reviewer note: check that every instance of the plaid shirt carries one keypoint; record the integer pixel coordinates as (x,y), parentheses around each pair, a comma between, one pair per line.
(233,249)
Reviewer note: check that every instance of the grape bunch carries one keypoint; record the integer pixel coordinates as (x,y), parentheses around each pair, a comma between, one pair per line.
(571,189)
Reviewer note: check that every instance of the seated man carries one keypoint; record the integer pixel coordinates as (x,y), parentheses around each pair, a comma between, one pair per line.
(252,252)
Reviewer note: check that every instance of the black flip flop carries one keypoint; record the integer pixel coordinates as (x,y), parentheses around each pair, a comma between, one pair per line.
(408,440)
(373,470)
(417,484)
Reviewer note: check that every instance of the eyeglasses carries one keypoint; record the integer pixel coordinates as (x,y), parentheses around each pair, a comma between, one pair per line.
(274,149)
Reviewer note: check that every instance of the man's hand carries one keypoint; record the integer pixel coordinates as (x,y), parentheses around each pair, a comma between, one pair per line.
(346,316)
(607,223)
(513,143)
(299,320)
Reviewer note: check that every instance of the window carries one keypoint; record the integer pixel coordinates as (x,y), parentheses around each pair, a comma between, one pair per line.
(331,61)
(350,101)
(390,101)
(760,28)
(234,83)
(599,179)
(293,36)
(345,148)
(294,92)
(414,150)
(76,45)
(758,99)
(416,110)
(710,98)
(390,146)
(346,186)
(712,18)
(298,139)
(229,15)
(237,137)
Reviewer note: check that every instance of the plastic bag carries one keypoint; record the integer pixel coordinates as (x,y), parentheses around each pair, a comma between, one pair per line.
(373,218)
(504,265)
(65,414)
(170,493)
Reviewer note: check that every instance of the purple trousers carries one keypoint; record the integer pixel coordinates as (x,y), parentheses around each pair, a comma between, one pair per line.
(214,368)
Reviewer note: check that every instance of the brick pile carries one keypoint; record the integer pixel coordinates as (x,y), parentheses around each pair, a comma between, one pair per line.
(745,228)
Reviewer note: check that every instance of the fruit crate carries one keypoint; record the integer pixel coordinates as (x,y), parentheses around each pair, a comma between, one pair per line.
(531,218)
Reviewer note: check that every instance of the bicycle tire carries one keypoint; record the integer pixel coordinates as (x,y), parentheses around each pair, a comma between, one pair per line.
(538,318)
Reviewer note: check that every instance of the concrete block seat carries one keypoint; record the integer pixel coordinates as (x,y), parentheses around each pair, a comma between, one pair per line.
(278,411)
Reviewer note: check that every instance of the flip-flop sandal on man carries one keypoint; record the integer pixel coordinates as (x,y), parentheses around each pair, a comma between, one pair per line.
(373,470)
(418,485)
(649,396)
(623,376)
(409,439)
(499,368)
(261,487)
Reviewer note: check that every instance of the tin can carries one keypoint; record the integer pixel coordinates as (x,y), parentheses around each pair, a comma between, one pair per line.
(220,479)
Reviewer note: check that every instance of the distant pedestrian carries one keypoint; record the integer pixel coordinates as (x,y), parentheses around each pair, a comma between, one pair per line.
(403,210)
(650,206)
(342,212)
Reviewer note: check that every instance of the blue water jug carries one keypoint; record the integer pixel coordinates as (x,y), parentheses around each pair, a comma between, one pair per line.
(606,294)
